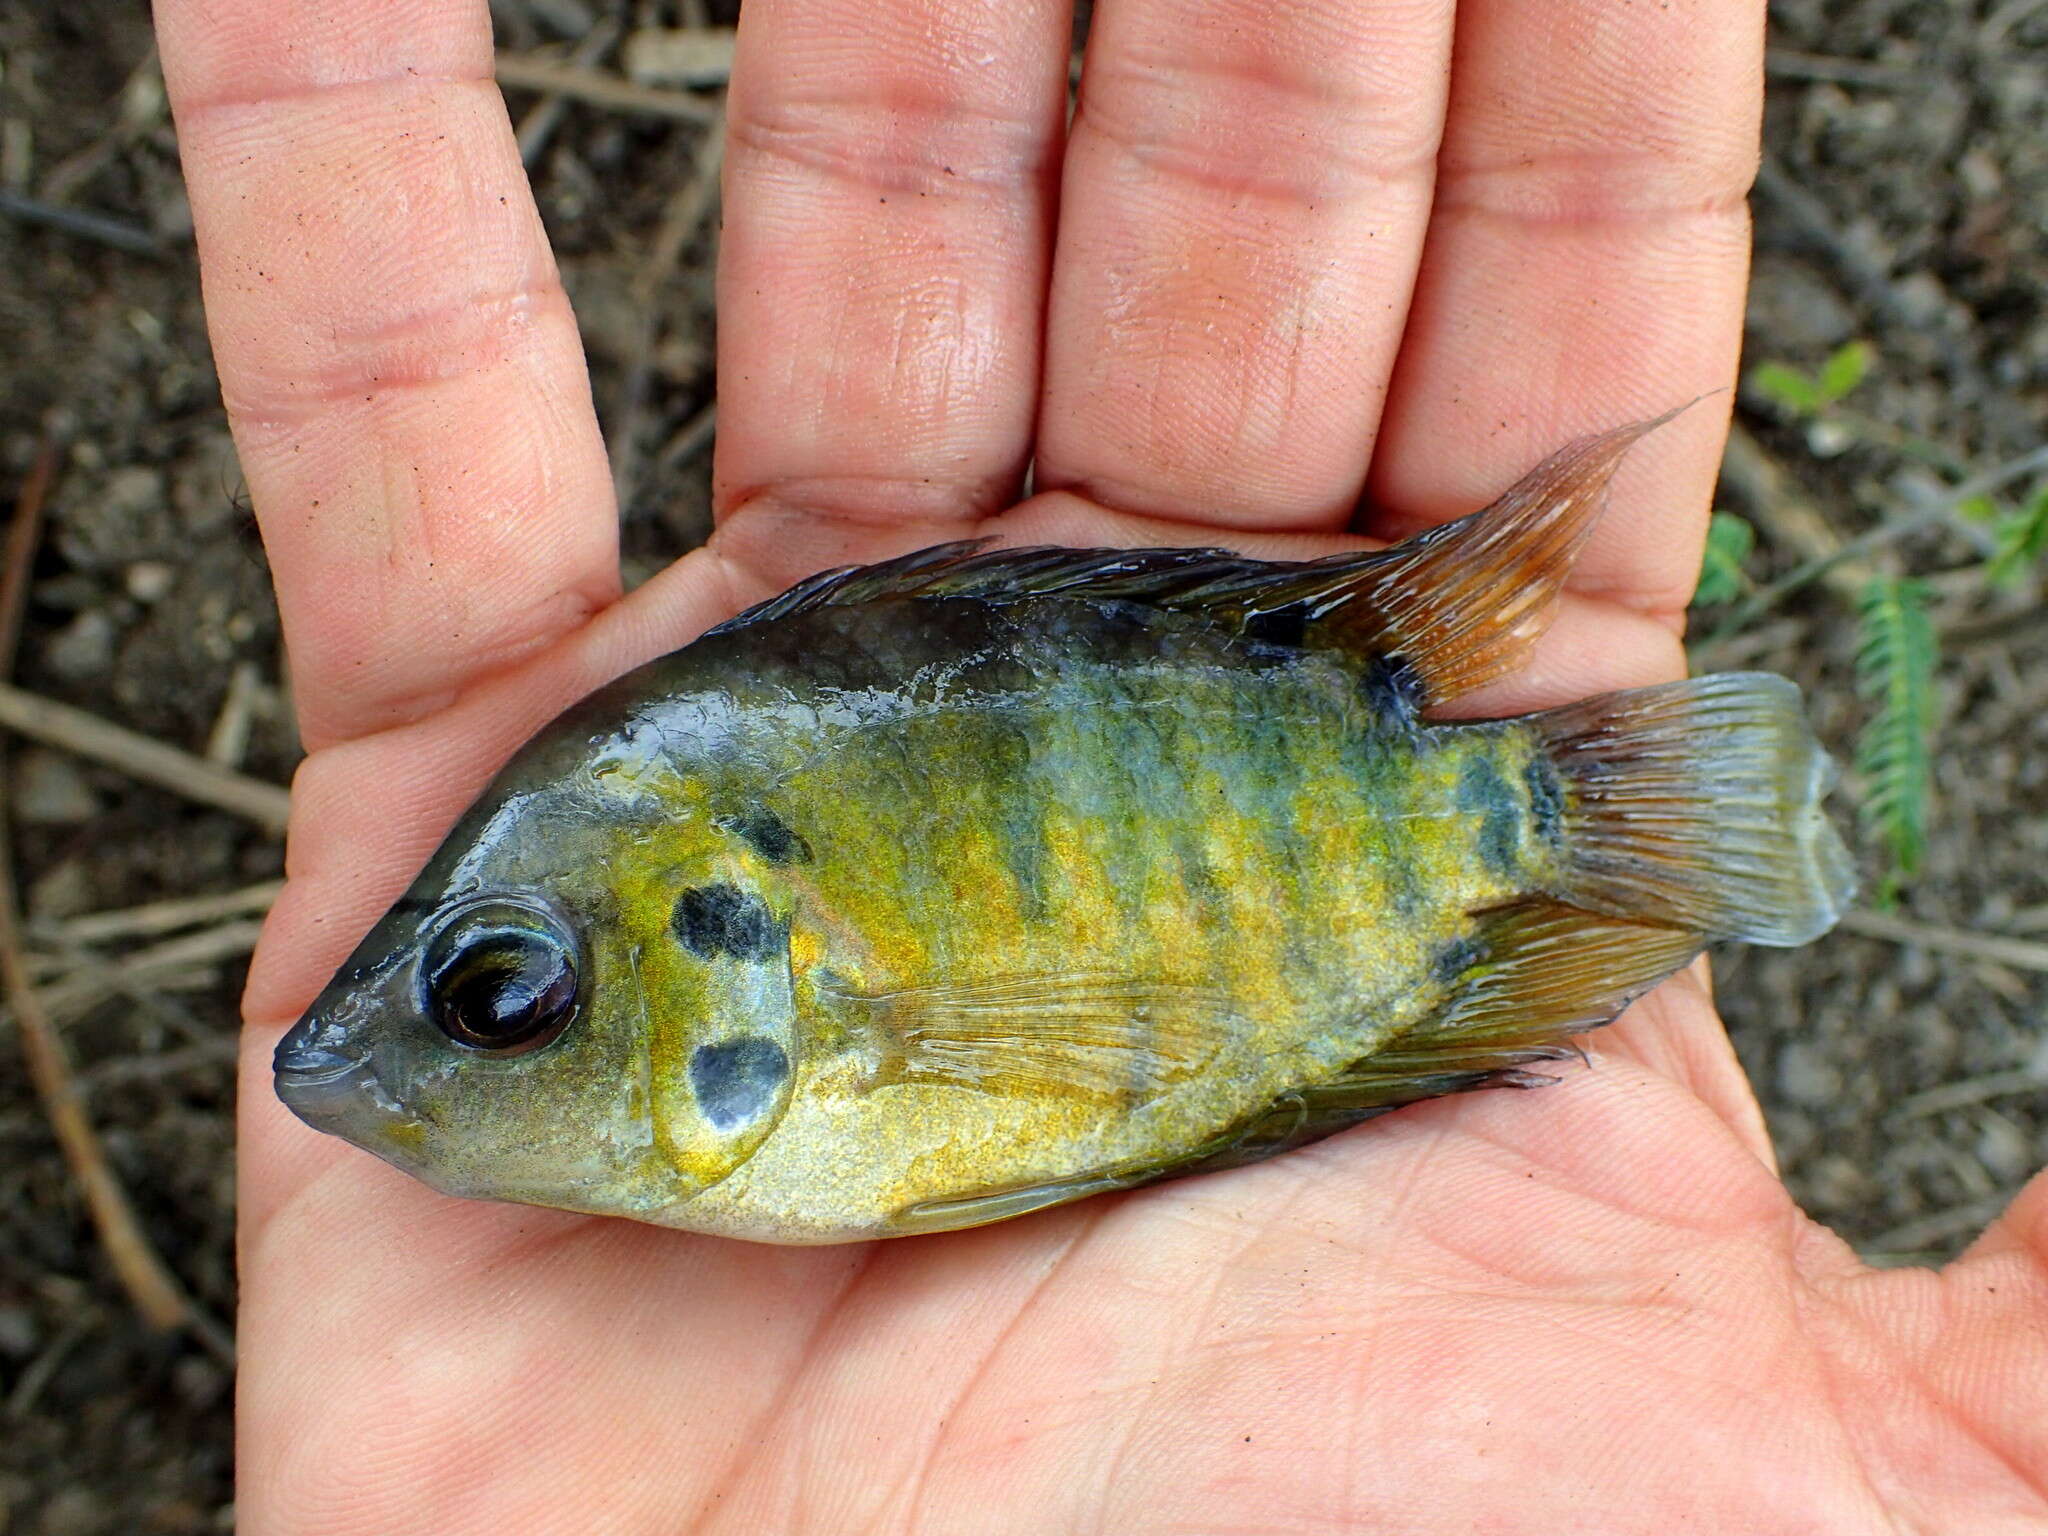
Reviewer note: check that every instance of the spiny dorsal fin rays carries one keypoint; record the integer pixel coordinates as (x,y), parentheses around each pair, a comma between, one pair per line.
(1460,604)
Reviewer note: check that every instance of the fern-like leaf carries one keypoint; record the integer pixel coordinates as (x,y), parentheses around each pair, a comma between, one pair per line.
(1895,658)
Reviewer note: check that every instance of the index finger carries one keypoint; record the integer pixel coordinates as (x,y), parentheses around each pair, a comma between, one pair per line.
(400,366)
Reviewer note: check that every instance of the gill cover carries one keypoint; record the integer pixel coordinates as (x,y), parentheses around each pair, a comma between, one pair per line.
(720,1028)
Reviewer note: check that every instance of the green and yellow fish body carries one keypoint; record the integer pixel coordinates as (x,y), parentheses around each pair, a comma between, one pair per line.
(936,892)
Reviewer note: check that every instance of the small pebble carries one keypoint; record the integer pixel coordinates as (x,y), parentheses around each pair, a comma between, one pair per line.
(18,1333)
(149,581)
(83,649)
(50,790)
(75,1511)
(132,491)
(1806,1076)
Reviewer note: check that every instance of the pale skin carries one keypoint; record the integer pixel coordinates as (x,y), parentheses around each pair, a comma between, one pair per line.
(1289,255)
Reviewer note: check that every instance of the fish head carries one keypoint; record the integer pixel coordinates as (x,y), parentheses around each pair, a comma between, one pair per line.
(581,1003)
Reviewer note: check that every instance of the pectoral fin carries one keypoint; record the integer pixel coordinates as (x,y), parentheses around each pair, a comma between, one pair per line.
(1095,1034)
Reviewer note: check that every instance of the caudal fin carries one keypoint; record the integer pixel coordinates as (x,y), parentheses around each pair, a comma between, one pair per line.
(1698,804)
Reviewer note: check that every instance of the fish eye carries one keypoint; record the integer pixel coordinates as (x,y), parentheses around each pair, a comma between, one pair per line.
(500,976)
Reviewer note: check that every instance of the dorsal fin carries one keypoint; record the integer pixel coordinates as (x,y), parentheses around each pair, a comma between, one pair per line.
(1459,605)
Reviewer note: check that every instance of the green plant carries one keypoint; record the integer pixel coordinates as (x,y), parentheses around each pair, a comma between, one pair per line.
(1895,659)
(1730,540)
(1802,394)
(2022,539)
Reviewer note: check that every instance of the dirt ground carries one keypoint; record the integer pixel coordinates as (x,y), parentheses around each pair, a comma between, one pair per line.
(1905,203)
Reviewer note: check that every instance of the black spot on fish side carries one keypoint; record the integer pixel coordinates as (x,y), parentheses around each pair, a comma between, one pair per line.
(1279,626)
(737,1081)
(714,920)
(1546,798)
(1456,958)
(770,836)
(1481,789)
(1393,689)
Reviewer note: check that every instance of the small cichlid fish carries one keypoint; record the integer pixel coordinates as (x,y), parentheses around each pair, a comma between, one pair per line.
(934,892)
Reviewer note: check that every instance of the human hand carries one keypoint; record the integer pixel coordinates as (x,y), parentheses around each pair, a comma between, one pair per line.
(1591,1310)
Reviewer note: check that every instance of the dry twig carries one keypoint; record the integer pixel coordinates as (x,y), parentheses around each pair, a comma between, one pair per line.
(1788,518)
(2022,954)
(690,439)
(1928,1234)
(117,234)
(141,757)
(84,984)
(1791,64)
(1944,1097)
(228,742)
(697,57)
(158,917)
(687,209)
(1936,511)
(533,72)
(148,1280)
(542,118)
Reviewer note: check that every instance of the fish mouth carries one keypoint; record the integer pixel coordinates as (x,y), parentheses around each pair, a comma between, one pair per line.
(316,1084)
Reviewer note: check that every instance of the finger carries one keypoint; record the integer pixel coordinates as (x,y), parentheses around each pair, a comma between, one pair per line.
(1245,195)
(889,183)
(1585,267)
(400,366)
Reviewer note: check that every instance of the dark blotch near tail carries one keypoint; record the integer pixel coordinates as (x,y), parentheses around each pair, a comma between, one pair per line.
(737,1081)
(1456,958)
(1394,689)
(1546,798)
(770,836)
(1482,789)
(714,920)
(1279,626)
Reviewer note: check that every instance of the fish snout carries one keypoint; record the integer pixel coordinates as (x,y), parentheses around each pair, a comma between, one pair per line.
(313,1080)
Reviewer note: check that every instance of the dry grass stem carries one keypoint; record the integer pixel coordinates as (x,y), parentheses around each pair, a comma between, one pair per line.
(699,58)
(544,116)
(228,742)
(1790,520)
(79,982)
(1944,1097)
(2021,953)
(159,917)
(690,439)
(1914,1240)
(533,72)
(142,757)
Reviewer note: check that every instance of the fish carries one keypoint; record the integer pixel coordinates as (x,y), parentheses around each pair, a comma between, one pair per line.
(939,891)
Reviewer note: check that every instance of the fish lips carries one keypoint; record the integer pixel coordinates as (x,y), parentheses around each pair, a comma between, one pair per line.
(313,1081)
(336,1091)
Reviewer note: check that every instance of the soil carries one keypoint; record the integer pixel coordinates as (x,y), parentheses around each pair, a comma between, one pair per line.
(1905,203)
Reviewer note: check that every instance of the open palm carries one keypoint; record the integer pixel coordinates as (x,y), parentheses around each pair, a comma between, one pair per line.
(1298,256)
